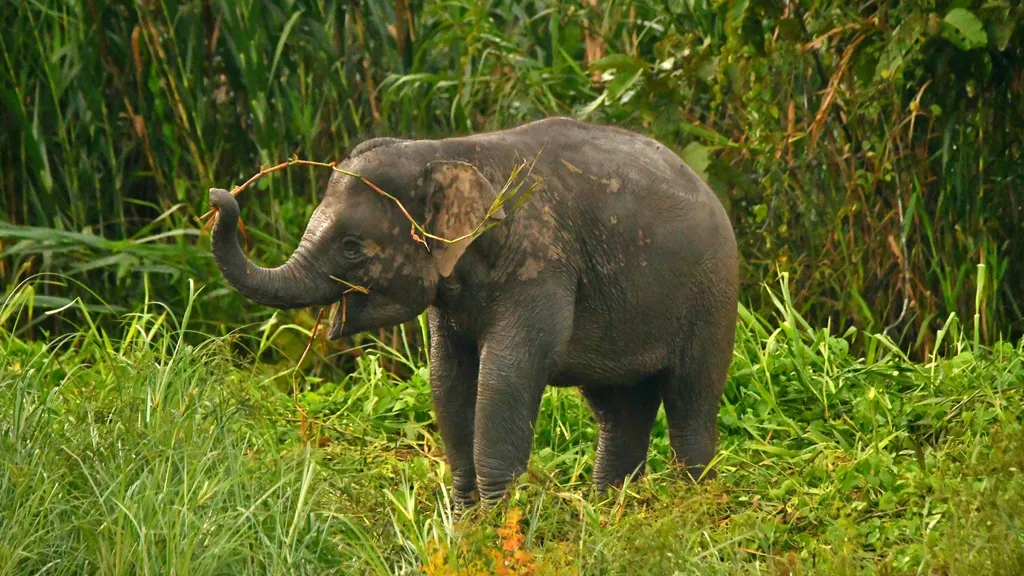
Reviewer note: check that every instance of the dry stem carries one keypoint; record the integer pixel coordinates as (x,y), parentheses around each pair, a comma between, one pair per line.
(295,385)
(503,196)
(351,287)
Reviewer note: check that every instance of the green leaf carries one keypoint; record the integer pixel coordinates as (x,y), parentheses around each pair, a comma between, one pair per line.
(697,156)
(1002,30)
(908,35)
(280,46)
(587,110)
(734,20)
(706,134)
(622,63)
(618,86)
(776,450)
(964,30)
(760,213)
(620,73)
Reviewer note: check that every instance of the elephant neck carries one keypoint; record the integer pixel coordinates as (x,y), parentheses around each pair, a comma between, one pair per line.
(464,296)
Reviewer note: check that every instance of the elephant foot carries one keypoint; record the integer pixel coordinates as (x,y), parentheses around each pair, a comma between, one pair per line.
(604,486)
(696,474)
(464,501)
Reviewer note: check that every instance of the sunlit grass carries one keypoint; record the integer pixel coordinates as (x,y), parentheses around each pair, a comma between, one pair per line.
(161,454)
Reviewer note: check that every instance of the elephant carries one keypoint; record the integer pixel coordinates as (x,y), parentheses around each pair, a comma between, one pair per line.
(617,275)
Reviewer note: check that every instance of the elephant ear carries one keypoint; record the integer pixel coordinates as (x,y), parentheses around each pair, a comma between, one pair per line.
(458,200)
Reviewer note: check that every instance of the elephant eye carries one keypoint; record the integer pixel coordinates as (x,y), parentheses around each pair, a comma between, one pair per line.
(352,248)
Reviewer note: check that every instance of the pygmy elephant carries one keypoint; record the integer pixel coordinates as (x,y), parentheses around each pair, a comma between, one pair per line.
(617,275)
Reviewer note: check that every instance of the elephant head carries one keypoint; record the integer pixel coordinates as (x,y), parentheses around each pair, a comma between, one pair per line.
(362,237)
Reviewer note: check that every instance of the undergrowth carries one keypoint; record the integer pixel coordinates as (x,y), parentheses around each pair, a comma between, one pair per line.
(167,452)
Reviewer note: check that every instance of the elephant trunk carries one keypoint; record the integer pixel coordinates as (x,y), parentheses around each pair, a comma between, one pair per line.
(295,284)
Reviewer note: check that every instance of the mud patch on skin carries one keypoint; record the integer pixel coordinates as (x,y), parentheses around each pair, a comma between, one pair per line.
(373,249)
(612,184)
(571,168)
(612,267)
(546,231)
(376,270)
(462,204)
(540,234)
(548,215)
(382,267)
(530,269)
(541,244)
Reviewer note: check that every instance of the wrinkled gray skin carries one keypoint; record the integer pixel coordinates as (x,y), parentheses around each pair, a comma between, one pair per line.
(618,275)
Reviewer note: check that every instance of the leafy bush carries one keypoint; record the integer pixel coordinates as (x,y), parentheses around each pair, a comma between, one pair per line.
(874,152)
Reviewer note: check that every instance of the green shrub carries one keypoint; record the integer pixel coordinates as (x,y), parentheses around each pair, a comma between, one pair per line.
(874,152)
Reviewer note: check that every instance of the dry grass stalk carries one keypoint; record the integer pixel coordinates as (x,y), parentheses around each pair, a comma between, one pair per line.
(831,92)
(303,416)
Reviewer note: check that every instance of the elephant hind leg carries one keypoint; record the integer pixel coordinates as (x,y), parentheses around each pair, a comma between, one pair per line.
(625,416)
(692,393)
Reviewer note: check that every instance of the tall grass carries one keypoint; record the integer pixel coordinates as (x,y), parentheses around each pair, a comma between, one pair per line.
(873,152)
(146,453)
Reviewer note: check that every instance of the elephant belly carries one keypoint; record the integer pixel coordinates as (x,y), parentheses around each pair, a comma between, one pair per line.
(608,352)
(641,295)
(630,325)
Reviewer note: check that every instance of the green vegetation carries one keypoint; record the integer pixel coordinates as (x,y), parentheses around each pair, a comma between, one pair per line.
(870,151)
(149,455)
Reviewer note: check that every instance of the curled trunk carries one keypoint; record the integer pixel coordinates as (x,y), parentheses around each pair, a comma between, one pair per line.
(298,283)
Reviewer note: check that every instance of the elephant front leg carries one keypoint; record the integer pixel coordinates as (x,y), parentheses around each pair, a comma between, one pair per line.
(453,376)
(516,360)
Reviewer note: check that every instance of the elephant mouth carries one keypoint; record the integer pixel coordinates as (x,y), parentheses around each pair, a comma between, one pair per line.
(341,324)
(357,313)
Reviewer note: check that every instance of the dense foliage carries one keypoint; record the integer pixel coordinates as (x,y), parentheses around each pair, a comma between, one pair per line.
(873,149)
(147,455)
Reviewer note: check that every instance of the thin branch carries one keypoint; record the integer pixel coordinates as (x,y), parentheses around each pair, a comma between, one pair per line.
(351,287)
(344,311)
(499,201)
(503,196)
(295,386)
(264,171)
(312,336)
